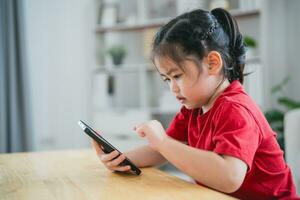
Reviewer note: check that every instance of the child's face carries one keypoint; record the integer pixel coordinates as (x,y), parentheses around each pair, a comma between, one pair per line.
(192,87)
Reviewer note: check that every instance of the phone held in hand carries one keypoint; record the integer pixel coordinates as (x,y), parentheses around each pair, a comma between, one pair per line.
(106,146)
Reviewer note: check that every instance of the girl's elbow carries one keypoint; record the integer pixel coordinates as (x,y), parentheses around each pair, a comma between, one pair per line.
(235,177)
(232,185)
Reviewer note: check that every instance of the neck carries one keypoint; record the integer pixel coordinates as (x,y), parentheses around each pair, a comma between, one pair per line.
(222,85)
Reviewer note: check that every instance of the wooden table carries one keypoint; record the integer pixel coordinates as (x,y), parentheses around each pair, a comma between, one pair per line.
(78,174)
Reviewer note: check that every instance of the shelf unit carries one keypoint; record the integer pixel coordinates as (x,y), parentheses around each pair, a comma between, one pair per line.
(133,92)
(156,23)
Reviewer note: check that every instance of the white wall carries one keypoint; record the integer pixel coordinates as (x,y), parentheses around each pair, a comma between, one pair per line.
(292,46)
(60,48)
(281,30)
(273,49)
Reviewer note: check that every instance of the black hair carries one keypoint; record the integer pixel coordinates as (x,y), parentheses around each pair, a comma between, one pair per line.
(194,34)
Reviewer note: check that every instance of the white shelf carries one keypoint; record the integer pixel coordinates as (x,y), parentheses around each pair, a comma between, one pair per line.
(237,13)
(146,67)
(128,68)
(156,23)
(151,110)
(132,27)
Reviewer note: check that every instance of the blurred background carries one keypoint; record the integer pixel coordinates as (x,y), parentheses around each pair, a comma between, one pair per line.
(66,60)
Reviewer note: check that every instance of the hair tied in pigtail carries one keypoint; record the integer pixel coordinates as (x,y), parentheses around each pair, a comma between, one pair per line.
(229,25)
(236,46)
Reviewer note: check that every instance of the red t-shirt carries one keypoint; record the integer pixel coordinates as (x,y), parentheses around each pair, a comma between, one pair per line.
(235,126)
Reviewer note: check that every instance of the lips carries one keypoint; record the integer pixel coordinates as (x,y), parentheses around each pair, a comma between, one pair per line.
(181,99)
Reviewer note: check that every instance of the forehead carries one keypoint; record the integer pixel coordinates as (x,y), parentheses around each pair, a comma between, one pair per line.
(166,65)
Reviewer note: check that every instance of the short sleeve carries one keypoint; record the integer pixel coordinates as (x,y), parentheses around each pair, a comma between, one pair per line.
(236,133)
(178,128)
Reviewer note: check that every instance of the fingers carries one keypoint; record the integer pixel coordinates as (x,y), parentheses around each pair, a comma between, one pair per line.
(117,161)
(122,168)
(139,126)
(97,147)
(113,160)
(140,129)
(141,133)
(110,156)
(114,164)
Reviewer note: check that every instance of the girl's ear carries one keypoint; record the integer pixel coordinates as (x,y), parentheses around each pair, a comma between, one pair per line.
(215,63)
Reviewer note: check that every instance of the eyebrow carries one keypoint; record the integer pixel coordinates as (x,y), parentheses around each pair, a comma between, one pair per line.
(169,72)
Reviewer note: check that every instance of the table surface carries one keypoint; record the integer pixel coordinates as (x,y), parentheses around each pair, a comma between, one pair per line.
(78,174)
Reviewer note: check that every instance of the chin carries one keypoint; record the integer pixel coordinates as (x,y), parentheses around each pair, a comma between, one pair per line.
(190,107)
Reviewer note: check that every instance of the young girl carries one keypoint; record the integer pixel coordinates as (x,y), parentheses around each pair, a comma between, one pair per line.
(219,137)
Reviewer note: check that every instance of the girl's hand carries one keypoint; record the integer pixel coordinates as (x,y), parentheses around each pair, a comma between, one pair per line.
(112,160)
(154,133)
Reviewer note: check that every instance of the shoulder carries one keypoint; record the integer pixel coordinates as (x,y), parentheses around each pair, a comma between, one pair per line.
(234,119)
(231,109)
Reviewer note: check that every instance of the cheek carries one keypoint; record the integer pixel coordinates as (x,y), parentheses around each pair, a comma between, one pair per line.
(197,91)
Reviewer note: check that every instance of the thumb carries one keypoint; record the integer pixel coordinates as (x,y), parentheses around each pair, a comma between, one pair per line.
(140,132)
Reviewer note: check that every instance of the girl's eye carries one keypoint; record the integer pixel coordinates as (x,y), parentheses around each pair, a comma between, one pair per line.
(166,80)
(177,76)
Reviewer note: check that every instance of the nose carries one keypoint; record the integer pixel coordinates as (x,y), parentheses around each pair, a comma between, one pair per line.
(174,87)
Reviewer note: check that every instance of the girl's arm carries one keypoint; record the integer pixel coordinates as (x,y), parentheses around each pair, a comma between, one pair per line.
(223,173)
(145,156)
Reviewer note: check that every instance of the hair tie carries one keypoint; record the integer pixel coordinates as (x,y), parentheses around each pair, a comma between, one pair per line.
(211,29)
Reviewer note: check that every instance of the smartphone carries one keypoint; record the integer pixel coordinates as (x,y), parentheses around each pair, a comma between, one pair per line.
(106,146)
